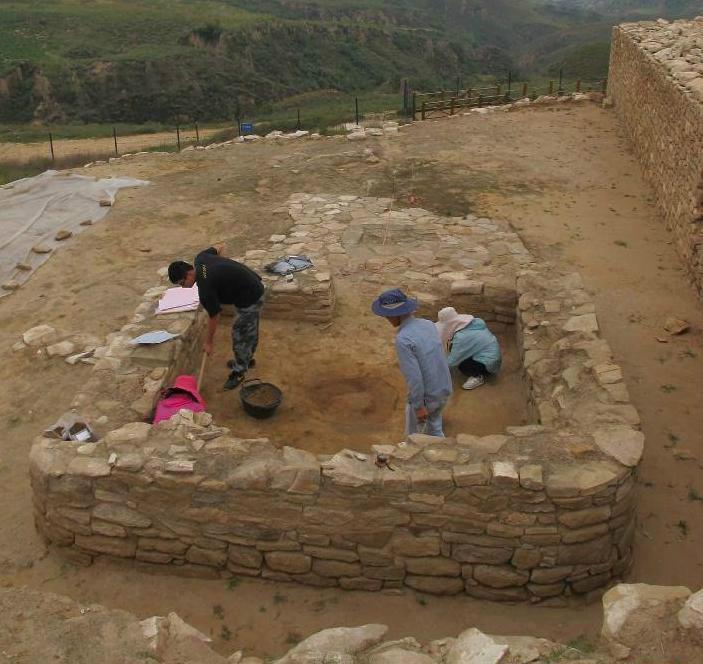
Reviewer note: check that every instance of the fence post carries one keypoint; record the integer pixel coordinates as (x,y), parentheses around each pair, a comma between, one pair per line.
(423,110)
(452,101)
(414,105)
(197,134)
(480,100)
(524,90)
(178,137)
(297,126)
(510,82)
(458,85)
(51,146)
(551,87)
(406,95)
(356,110)
(561,89)
(114,138)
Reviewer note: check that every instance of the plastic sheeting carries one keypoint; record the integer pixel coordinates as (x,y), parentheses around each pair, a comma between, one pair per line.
(288,264)
(33,210)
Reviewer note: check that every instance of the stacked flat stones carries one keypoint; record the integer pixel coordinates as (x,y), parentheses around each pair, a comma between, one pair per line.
(656,85)
(539,513)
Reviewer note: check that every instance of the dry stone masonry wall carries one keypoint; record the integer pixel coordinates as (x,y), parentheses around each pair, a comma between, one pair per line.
(656,85)
(538,513)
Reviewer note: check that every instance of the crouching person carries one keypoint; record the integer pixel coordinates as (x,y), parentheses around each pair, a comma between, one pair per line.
(473,348)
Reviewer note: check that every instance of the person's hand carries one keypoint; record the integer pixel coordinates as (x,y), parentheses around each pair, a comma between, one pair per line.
(421,414)
(207,348)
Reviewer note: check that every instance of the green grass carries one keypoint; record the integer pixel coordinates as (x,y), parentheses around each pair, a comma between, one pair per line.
(693,495)
(60,31)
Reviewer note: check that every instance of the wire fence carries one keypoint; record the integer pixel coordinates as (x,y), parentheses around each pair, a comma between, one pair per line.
(351,113)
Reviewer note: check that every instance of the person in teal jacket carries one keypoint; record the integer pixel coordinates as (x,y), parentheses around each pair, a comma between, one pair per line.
(472,347)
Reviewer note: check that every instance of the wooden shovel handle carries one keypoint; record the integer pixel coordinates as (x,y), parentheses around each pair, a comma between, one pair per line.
(202,370)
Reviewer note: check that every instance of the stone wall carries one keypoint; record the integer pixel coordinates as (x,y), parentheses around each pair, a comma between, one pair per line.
(656,85)
(540,513)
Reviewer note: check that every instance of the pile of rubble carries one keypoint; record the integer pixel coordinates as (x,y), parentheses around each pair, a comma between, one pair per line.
(640,623)
(46,341)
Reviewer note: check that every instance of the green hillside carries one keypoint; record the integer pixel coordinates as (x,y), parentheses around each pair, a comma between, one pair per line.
(165,60)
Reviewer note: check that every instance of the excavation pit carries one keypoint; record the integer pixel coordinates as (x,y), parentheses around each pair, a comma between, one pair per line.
(540,512)
(342,387)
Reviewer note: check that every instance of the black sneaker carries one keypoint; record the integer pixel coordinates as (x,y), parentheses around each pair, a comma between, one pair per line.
(231,363)
(234,380)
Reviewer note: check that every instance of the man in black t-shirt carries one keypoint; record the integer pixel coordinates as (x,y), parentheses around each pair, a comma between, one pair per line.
(224,281)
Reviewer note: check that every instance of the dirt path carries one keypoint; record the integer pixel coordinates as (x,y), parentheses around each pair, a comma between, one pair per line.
(95,146)
(563,177)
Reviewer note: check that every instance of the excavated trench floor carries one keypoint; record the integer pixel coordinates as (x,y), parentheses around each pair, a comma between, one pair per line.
(342,387)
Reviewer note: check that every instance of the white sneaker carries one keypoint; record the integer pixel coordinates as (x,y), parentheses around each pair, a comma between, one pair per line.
(472,382)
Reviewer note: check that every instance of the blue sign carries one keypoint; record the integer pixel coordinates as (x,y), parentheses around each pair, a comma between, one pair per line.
(246,127)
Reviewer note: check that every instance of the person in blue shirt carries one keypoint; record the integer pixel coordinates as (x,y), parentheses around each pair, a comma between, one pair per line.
(421,360)
(472,346)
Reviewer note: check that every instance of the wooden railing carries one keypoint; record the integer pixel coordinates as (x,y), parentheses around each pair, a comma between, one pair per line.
(449,102)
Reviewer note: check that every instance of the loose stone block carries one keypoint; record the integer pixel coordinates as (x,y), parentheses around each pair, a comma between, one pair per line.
(500,576)
(620,442)
(471,474)
(386,573)
(121,515)
(585,517)
(584,323)
(531,477)
(514,594)
(504,474)
(201,556)
(569,536)
(108,529)
(172,546)
(526,557)
(546,590)
(405,544)
(335,568)
(291,562)
(327,553)
(470,553)
(436,585)
(153,557)
(432,566)
(375,557)
(89,467)
(122,548)
(245,556)
(593,551)
(135,433)
(360,583)
(579,481)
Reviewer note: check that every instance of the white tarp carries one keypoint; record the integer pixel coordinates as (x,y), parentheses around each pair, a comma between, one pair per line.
(34,209)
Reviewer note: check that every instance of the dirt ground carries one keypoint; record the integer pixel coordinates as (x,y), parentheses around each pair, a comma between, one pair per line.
(566,180)
(341,386)
(125,144)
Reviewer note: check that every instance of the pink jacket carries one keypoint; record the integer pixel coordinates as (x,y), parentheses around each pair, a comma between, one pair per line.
(182,394)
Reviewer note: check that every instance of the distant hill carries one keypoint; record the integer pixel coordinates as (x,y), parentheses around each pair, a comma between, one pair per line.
(638,8)
(121,60)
